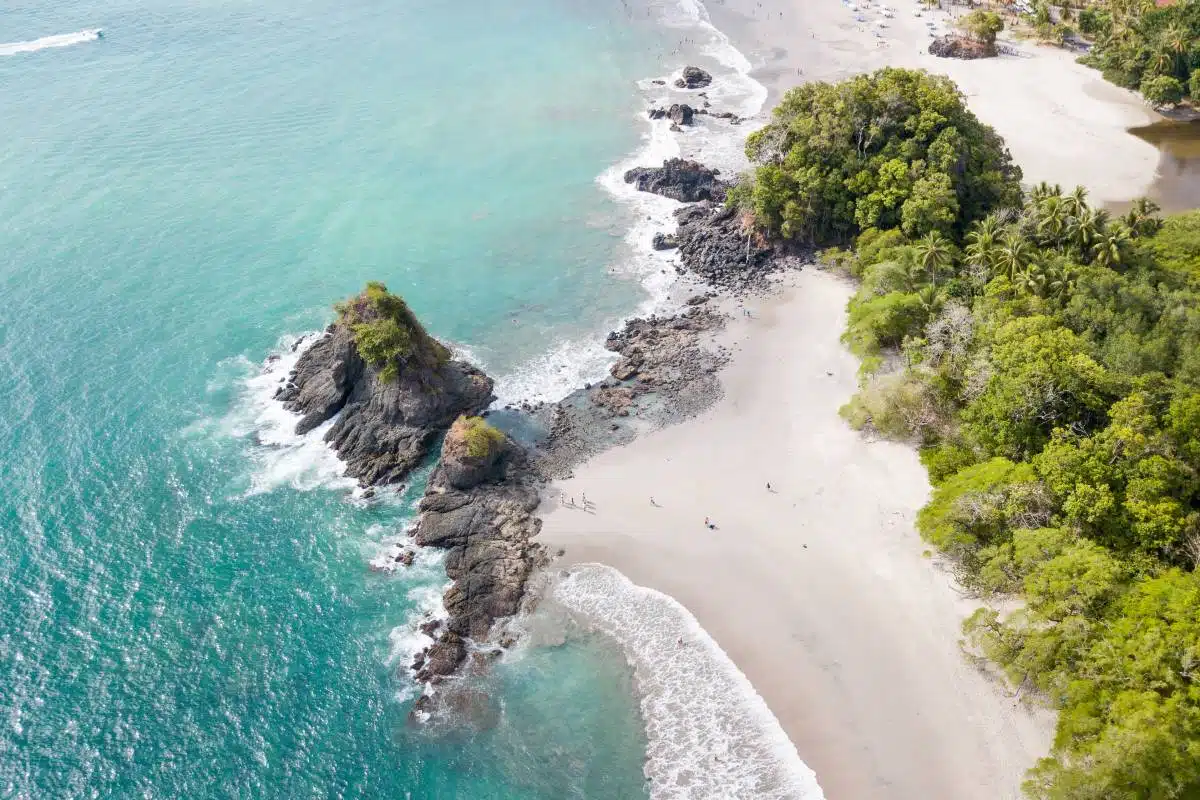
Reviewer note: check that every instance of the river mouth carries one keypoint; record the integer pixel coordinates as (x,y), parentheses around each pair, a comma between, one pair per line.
(1177,186)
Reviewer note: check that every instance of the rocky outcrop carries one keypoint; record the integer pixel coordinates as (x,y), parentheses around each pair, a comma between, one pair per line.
(693,78)
(678,113)
(679,179)
(961,47)
(664,241)
(714,244)
(389,418)
(666,372)
(479,508)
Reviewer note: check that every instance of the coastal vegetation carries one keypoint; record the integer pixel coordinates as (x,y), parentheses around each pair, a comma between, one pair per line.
(480,438)
(1044,355)
(894,149)
(388,335)
(1152,48)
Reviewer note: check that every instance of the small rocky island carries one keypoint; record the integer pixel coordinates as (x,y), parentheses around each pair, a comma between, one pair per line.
(396,387)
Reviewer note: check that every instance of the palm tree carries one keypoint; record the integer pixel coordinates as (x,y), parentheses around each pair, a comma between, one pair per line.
(1162,61)
(983,241)
(1060,283)
(1043,190)
(933,251)
(1052,219)
(932,299)
(1014,254)
(1176,39)
(1087,227)
(1142,219)
(1109,248)
(1076,202)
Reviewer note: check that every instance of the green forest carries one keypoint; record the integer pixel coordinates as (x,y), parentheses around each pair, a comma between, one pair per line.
(1044,355)
(1138,45)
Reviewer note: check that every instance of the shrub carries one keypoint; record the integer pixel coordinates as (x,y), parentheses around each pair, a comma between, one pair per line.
(480,438)
(899,406)
(884,321)
(982,504)
(1194,85)
(1162,90)
(387,333)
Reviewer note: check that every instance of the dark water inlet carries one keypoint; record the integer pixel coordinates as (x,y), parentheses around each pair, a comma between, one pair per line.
(1177,187)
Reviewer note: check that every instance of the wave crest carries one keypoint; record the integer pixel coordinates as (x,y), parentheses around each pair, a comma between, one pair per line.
(710,735)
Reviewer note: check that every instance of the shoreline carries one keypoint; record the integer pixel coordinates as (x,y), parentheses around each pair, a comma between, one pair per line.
(867,730)
(824,602)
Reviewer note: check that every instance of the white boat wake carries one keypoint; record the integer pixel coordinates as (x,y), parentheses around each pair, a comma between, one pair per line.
(60,40)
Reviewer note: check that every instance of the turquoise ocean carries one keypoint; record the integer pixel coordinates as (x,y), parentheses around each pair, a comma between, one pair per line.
(187,605)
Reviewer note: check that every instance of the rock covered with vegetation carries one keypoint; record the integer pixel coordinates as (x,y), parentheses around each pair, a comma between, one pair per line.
(893,149)
(479,507)
(394,388)
(1044,356)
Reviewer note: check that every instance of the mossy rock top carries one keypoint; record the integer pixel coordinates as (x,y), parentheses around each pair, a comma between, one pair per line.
(387,333)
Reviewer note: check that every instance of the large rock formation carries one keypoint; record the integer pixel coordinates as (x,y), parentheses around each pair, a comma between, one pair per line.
(685,181)
(961,47)
(396,394)
(693,78)
(714,244)
(478,506)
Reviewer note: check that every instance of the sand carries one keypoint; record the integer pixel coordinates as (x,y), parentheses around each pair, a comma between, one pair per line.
(1062,121)
(819,589)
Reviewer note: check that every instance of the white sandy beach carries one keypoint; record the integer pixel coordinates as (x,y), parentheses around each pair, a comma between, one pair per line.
(818,590)
(1062,121)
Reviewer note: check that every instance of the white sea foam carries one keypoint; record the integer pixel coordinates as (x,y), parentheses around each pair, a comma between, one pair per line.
(283,458)
(710,735)
(570,364)
(46,42)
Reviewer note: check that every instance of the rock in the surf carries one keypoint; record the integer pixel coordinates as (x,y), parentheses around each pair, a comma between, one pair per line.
(393,387)
(679,179)
(664,241)
(693,78)
(678,113)
(479,508)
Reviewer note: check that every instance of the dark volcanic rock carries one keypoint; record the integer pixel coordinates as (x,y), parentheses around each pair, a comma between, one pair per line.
(681,114)
(443,656)
(960,47)
(685,181)
(480,510)
(714,244)
(693,78)
(678,113)
(664,241)
(386,427)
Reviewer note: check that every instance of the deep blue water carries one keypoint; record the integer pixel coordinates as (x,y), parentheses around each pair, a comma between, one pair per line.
(186,608)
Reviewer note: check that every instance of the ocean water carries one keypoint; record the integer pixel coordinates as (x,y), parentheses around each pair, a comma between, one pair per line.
(187,601)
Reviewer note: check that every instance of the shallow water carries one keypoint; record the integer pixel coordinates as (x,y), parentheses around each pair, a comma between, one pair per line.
(189,608)
(1177,185)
